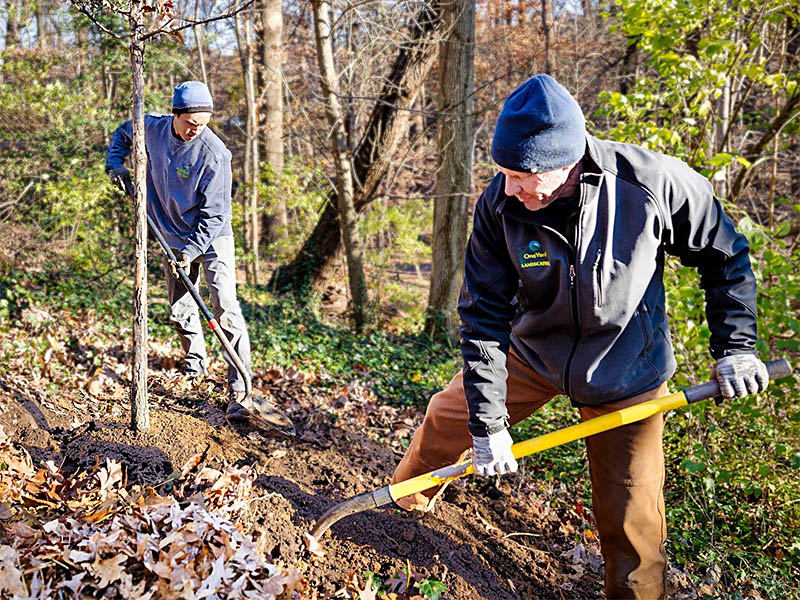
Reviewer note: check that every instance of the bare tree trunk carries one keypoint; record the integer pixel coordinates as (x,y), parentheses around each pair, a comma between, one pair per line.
(198,40)
(245,37)
(42,12)
(387,125)
(275,220)
(454,166)
(13,24)
(140,414)
(722,126)
(348,218)
(418,119)
(547,34)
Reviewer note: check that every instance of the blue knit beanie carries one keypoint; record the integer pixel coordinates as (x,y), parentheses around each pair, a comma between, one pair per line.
(192,97)
(541,128)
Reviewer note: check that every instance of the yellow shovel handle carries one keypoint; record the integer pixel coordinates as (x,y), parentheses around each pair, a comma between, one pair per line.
(776,369)
(599,424)
(385,496)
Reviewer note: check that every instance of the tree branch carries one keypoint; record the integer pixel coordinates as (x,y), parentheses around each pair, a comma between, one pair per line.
(83,10)
(193,23)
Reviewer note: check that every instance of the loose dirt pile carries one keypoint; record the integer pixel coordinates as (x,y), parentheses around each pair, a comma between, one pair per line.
(502,539)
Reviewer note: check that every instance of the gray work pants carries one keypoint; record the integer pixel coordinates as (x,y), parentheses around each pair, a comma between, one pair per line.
(220,273)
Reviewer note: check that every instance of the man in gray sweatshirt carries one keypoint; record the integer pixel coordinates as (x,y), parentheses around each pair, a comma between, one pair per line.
(189,200)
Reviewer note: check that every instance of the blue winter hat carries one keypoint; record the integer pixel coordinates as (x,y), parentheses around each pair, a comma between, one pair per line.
(541,128)
(192,97)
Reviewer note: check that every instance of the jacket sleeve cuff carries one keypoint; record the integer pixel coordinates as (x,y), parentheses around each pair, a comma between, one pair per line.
(483,430)
(721,353)
(192,251)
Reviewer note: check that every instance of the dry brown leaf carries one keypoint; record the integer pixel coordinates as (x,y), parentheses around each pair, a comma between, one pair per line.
(109,477)
(313,545)
(195,460)
(109,570)
(368,593)
(11,579)
(398,583)
(95,385)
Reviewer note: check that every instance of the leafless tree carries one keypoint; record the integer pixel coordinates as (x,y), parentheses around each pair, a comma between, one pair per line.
(348,218)
(454,165)
(384,126)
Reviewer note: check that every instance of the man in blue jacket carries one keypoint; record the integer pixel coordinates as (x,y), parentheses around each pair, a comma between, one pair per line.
(189,199)
(563,294)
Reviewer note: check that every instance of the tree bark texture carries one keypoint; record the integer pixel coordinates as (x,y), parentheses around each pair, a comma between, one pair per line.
(13,24)
(198,39)
(245,36)
(140,414)
(42,12)
(275,219)
(348,218)
(387,125)
(547,34)
(454,166)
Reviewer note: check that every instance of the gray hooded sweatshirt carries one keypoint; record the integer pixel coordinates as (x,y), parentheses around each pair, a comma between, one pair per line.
(188,183)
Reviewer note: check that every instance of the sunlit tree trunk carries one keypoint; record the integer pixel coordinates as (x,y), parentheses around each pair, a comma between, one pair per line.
(722,125)
(547,35)
(198,40)
(245,35)
(42,12)
(140,414)
(454,166)
(275,219)
(348,217)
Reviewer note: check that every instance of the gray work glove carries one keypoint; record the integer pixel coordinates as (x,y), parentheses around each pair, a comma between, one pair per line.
(492,455)
(740,374)
(184,262)
(121,177)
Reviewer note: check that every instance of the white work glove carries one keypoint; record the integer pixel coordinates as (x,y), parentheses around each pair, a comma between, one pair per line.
(740,374)
(184,262)
(492,455)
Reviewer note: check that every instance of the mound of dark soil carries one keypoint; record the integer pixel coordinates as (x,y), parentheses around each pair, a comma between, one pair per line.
(485,540)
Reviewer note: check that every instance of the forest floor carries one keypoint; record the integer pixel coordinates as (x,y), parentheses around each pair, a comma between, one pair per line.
(505,538)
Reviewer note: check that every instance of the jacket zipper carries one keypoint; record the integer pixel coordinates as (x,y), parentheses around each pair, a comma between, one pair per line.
(573,289)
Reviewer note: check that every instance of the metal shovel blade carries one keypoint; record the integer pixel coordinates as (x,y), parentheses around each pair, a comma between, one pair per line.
(261,412)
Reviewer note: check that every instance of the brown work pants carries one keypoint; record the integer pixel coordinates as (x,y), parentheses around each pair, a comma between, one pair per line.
(626,466)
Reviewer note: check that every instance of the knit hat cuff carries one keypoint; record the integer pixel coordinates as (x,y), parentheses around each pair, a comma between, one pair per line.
(192,96)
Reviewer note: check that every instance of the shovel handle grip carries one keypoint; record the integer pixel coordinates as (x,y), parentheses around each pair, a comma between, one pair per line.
(776,369)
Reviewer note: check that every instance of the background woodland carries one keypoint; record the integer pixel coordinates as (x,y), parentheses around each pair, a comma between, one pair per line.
(360,133)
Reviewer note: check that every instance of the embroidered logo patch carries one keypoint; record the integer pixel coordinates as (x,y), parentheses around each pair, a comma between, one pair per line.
(532,255)
(184,171)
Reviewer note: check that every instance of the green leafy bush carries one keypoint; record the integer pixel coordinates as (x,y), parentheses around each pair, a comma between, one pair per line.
(303,188)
